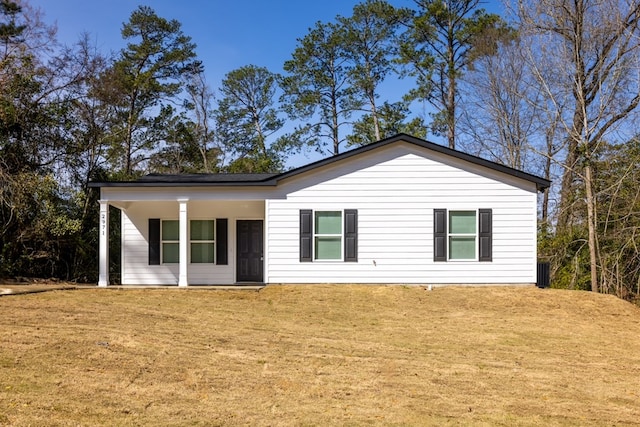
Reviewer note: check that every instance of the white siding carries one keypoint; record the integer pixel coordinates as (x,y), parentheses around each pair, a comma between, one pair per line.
(135,241)
(395,190)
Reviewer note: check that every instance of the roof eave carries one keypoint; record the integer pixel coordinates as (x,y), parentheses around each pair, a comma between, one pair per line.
(131,184)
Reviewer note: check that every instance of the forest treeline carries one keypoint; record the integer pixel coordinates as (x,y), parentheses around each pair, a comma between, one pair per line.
(550,87)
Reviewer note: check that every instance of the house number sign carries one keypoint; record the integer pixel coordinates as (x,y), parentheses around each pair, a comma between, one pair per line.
(103,223)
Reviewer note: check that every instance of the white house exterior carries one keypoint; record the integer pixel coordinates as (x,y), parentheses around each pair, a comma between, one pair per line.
(402,210)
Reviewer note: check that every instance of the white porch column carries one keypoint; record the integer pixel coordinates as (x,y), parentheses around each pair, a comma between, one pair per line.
(184,242)
(103,237)
(266,239)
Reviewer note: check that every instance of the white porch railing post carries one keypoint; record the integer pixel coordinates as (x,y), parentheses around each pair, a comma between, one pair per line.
(184,242)
(103,237)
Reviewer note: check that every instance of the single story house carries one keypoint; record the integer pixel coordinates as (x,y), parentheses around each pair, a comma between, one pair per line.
(399,211)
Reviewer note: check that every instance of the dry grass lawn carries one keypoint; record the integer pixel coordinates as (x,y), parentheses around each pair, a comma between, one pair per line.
(319,355)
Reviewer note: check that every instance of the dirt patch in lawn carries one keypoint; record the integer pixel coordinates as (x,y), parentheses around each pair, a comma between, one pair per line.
(319,355)
(29,285)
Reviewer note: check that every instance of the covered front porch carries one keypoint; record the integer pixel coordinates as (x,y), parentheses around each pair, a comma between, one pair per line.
(185,241)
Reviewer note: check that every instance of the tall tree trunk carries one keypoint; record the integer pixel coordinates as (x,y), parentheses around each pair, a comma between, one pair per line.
(451,115)
(260,134)
(547,175)
(451,77)
(374,115)
(566,190)
(591,219)
(128,166)
(567,195)
(451,97)
(334,128)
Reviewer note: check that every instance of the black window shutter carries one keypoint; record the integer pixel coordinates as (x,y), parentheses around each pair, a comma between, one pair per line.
(306,235)
(154,241)
(439,234)
(485,240)
(351,235)
(221,241)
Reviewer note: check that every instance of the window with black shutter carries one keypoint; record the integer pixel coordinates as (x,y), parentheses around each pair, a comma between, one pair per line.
(328,235)
(462,235)
(164,241)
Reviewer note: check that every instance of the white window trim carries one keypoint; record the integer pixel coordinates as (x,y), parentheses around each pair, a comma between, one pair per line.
(341,235)
(474,235)
(203,241)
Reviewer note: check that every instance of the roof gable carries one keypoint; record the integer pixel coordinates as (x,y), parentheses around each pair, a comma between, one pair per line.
(541,183)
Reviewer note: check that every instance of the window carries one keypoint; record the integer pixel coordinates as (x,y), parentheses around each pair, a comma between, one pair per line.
(327,235)
(170,238)
(462,235)
(207,238)
(202,241)
(202,237)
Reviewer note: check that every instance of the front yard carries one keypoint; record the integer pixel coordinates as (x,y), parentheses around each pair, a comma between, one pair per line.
(319,355)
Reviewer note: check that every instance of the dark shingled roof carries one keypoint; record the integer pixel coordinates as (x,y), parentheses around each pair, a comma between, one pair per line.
(206,177)
(262,179)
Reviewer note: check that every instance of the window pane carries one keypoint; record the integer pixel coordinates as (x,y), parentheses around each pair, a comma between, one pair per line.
(202,230)
(170,230)
(170,253)
(462,247)
(328,248)
(202,253)
(462,222)
(328,223)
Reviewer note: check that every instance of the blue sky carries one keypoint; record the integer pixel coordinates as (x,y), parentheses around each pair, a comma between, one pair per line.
(229,34)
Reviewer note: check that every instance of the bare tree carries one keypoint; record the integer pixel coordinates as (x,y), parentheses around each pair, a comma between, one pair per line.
(496,112)
(200,100)
(592,46)
(504,116)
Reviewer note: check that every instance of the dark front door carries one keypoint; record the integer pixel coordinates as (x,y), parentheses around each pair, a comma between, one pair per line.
(250,251)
